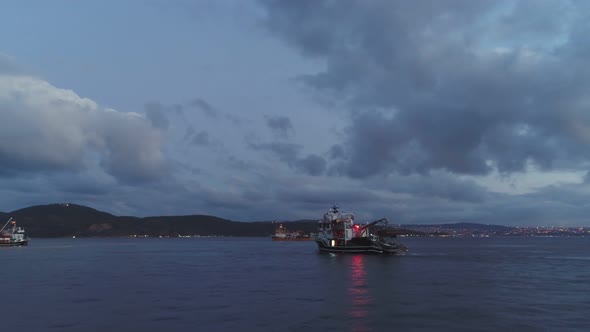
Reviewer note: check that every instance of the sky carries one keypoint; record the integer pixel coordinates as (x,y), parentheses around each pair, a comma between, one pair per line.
(419,111)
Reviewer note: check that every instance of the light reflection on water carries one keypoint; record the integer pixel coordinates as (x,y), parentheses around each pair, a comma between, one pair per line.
(359,293)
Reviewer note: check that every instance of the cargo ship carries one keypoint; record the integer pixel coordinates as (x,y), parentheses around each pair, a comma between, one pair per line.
(12,235)
(282,234)
(338,233)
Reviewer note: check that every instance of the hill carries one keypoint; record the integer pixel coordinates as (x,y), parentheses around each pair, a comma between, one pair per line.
(57,220)
(64,220)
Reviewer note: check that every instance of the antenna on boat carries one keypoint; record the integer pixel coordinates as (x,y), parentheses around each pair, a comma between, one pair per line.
(9,220)
(334,208)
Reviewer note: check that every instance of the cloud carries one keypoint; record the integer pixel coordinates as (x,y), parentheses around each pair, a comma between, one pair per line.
(280,125)
(155,113)
(286,152)
(201,138)
(204,106)
(336,152)
(8,65)
(325,196)
(44,128)
(440,185)
(289,154)
(312,165)
(462,86)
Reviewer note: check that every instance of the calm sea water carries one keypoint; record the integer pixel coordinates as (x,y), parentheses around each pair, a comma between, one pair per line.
(254,284)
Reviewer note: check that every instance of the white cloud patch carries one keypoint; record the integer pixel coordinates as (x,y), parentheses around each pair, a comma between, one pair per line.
(529,181)
(45,128)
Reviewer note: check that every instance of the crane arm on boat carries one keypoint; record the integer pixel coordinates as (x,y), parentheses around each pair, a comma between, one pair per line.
(374,223)
(1,229)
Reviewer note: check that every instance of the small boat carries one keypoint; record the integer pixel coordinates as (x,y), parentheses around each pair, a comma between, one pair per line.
(13,235)
(338,233)
(282,234)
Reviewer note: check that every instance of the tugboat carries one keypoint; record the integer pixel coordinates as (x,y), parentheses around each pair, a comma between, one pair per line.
(338,233)
(13,236)
(282,234)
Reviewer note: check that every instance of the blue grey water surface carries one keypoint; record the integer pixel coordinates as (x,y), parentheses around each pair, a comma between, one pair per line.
(254,284)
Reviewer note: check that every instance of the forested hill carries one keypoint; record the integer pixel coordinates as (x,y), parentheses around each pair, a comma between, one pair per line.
(61,220)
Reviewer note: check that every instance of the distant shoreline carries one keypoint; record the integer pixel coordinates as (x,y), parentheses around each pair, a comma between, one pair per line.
(68,220)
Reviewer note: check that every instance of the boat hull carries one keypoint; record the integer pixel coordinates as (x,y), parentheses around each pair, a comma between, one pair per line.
(374,248)
(14,244)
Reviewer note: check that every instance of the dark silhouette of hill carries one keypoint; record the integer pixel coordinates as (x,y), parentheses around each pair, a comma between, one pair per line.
(56,220)
(61,220)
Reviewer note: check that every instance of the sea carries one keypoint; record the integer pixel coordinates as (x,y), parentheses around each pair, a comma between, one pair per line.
(255,284)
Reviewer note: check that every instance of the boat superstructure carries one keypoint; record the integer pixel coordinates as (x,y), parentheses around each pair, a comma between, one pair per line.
(11,235)
(338,233)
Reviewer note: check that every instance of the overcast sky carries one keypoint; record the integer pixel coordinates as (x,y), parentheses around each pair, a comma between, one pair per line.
(418,111)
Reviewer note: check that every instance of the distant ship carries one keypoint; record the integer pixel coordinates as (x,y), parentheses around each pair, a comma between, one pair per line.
(282,234)
(12,235)
(338,233)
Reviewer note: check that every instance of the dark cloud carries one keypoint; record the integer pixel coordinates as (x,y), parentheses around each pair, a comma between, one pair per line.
(325,197)
(155,113)
(81,186)
(201,138)
(224,199)
(239,164)
(464,86)
(280,125)
(336,151)
(312,165)
(134,151)
(204,106)
(177,108)
(289,153)
(435,184)
(286,152)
